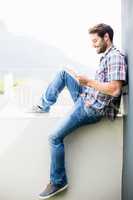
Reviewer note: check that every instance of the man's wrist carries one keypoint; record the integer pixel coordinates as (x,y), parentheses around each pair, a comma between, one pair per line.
(90,83)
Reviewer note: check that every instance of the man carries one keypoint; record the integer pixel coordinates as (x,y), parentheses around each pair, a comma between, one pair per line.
(93,99)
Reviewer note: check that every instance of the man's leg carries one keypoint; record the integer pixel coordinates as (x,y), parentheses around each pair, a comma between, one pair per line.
(76,118)
(62,79)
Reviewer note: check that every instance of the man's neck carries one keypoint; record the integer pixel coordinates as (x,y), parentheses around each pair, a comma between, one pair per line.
(108,47)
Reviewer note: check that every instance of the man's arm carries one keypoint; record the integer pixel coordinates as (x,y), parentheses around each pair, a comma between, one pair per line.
(112,88)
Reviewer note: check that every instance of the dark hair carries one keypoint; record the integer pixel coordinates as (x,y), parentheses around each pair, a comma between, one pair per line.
(101,30)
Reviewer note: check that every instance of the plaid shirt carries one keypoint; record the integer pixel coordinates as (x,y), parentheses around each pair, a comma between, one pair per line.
(112,67)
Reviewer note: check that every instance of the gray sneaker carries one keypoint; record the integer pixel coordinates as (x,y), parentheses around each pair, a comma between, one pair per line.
(52,190)
(38,109)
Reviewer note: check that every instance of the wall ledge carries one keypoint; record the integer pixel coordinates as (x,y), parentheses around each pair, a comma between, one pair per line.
(11,111)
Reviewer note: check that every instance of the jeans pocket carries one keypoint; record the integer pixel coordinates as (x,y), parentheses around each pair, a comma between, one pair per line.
(93,111)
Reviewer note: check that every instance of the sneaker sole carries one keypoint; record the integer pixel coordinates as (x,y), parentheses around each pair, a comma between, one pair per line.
(37,110)
(51,195)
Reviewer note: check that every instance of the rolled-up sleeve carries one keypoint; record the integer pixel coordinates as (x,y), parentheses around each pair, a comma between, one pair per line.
(117,68)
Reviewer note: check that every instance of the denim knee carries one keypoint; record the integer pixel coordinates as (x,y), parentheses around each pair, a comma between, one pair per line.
(54,140)
(62,72)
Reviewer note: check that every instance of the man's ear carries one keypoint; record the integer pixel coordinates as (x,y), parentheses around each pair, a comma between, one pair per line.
(106,37)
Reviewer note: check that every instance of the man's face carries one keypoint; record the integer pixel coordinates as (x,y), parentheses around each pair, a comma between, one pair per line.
(99,43)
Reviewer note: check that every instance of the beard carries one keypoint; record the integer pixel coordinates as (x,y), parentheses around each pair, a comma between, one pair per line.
(102,47)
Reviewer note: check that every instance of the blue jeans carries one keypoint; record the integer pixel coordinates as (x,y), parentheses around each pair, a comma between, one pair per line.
(80,115)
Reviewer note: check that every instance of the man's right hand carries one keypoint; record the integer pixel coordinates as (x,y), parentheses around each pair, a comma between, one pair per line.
(82,94)
(87,103)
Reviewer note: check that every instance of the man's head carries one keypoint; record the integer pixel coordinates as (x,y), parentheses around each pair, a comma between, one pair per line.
(101,37)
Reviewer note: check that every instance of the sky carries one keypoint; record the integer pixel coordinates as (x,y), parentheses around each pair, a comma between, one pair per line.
(62,23)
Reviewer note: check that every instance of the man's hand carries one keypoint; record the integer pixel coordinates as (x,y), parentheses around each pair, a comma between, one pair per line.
(83,80)
(87,103)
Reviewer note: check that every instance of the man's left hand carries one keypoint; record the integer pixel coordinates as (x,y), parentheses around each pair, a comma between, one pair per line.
(83,80)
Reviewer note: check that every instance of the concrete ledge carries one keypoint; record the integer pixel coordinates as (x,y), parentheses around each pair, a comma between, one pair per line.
(10,111)
(93,159)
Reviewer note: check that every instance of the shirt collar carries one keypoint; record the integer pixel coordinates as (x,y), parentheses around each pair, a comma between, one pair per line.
(107,51)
